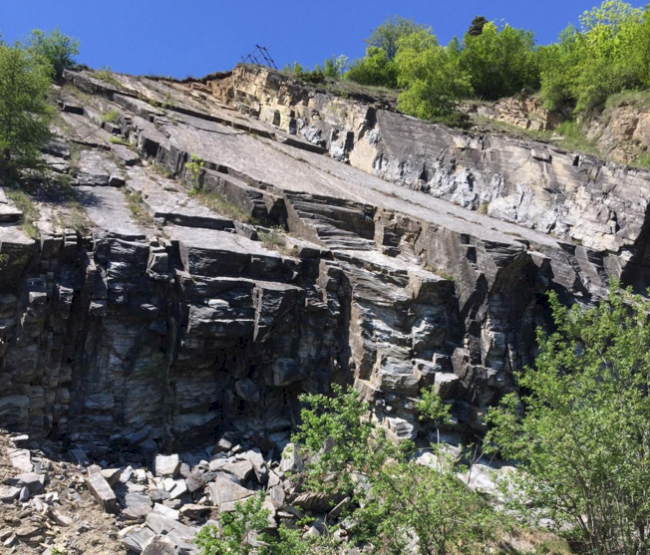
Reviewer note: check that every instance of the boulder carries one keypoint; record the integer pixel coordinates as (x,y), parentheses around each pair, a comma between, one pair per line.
(167,465)
(102,492)
(225,493)
(160,545)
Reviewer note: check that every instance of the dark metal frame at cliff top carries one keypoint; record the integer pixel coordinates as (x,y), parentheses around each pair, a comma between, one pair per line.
(261,57)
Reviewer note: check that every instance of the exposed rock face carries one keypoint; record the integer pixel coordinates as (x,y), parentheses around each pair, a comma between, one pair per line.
(422,261)
(522,110)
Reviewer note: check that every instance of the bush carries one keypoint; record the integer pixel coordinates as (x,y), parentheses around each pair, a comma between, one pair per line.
(386,36)
(393,499)
(431,77)
(608,54)
(239,532)
(375,69)
(583,441)
(58,49)
(500,62)
(25,113)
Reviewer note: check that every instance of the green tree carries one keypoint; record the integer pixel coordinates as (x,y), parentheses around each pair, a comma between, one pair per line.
(59,49)
(392,498)
(375,69)
(25,112)
(557,63)
(430,76)
(610,52)
(584,439)
(387,35)
(501,62)
(335,66)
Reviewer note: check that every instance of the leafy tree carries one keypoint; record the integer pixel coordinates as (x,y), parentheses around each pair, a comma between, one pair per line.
(500,62)
(58,49)
(609,53)
(393,499)
(557,68)
(25,113)
(375,69)
(390,32)
(430,76)
(335,67)
(584,439)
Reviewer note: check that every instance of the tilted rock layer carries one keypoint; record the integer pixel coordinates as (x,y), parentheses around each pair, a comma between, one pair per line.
(311,239)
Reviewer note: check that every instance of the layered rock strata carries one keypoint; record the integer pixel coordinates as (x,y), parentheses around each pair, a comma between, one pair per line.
(252,239)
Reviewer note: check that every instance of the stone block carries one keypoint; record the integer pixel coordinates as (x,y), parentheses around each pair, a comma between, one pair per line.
(102,492)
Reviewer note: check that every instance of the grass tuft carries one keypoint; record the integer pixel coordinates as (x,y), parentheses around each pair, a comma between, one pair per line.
(221,205)
(135,202)
(26,205)
(111,116)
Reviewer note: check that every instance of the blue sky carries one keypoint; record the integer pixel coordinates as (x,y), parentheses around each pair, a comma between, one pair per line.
(196,37)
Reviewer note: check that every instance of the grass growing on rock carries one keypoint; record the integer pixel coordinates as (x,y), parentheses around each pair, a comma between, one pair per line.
(275,239)
(135,202)
(568,135)
(111,116)
(105,74)
(221,205)
(25,204)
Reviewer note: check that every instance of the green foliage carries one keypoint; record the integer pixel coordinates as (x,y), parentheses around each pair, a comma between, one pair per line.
(430,76)
(135,202)
(195,169)
(111,116)
(239,532)
(106,74)
(222,205)
(584,442)
(500,62)
(378,67)
(335,67)
(430,405)
(273,239)
(25,204)
(386,36)
(58,49)
(375,69)
(25,112)
(242,532)
(573,138)
(608,54)
(393,500)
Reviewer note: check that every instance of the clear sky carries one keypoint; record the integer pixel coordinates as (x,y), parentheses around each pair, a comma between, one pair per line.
(196,37)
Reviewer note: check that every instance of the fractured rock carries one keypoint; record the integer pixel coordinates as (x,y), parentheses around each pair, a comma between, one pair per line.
(225,493)
(167,465)
(102,492)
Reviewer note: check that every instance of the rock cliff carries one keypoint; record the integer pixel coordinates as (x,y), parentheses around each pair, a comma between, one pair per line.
(204,251)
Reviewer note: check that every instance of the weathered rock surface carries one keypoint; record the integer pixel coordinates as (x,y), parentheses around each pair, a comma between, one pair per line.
(196,302)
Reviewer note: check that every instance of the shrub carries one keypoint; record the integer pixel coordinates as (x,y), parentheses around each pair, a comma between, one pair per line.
(25,113)
(500,62)
(608,54)
(58,49)
(430,76)
(375,69)
(386,36)
(397,500)
(238,532)
(583,440)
